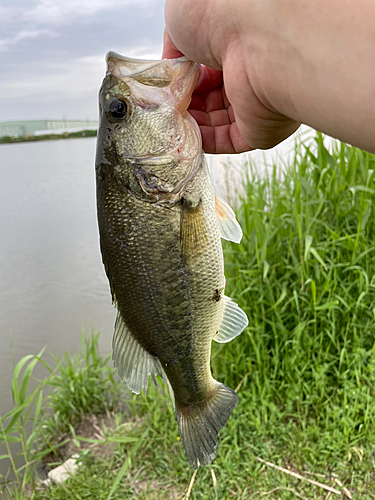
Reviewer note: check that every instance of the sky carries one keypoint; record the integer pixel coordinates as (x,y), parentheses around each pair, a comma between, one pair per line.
(52,52)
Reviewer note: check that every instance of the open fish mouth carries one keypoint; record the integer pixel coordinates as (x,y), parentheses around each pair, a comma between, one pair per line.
(154,72)
(169,78)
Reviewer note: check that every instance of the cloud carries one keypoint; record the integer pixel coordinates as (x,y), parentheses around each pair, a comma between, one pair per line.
(72,79)
(52,51)
(144,51)
(52,11)
(6,43)
(65,80)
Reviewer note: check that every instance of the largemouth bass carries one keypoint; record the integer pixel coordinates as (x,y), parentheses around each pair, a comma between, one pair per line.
(160,226)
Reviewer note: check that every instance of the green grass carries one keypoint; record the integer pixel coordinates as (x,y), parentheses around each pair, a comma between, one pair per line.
(304,274)
(84,384)
(42,420)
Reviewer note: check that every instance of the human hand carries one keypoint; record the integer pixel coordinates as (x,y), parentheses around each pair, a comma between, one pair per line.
(234,124)
(211,109)
(282,63)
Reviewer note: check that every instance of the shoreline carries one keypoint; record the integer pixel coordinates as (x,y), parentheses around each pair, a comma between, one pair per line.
(48,137)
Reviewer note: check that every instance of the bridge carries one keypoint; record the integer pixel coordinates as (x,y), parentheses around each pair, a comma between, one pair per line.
(41,127)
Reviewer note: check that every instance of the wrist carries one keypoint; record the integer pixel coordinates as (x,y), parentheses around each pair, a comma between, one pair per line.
(313,62)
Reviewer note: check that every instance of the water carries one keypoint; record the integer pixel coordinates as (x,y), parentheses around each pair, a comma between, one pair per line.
(52,282)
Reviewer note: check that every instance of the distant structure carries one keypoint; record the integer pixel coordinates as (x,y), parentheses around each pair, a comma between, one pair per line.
(41,127)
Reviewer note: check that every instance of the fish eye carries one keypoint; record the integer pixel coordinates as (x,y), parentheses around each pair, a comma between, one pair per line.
(118,108)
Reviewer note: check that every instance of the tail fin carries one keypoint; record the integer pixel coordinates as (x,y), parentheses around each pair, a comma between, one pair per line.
(201,423)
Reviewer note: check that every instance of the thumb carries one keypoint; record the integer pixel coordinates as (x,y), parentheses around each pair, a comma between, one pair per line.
(170,51)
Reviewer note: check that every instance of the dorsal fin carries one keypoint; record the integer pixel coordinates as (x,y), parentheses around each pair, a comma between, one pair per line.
(228,226)
(233,321)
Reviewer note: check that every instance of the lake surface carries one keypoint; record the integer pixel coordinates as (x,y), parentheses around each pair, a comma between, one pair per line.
(52,281)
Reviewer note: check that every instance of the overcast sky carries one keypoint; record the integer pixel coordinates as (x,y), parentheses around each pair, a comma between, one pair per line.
(52,52)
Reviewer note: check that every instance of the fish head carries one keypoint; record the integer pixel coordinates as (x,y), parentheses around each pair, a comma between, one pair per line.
(143,106)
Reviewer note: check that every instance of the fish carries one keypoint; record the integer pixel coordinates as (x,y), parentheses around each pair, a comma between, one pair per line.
(160,225)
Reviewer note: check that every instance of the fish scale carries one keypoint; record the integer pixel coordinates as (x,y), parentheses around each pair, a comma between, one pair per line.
(160,226)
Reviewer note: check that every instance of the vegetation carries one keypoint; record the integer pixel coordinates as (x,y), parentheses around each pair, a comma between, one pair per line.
(304,368)
(47,137)
(40,428)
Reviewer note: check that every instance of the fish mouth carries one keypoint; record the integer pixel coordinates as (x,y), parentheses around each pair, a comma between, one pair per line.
(169,78)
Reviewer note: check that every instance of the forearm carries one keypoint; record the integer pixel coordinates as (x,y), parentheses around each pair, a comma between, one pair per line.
(313,61)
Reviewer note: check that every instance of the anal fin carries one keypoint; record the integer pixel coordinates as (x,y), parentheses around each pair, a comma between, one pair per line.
(226,219)
(133,363)
(233,321)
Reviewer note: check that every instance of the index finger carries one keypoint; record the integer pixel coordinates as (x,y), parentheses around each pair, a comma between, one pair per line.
(209,79)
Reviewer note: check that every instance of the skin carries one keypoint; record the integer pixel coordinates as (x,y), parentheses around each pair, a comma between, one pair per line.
(269,66)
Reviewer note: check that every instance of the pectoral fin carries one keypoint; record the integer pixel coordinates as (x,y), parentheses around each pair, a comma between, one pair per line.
(193,230)
(228,226)
(233,321)
(132,362)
